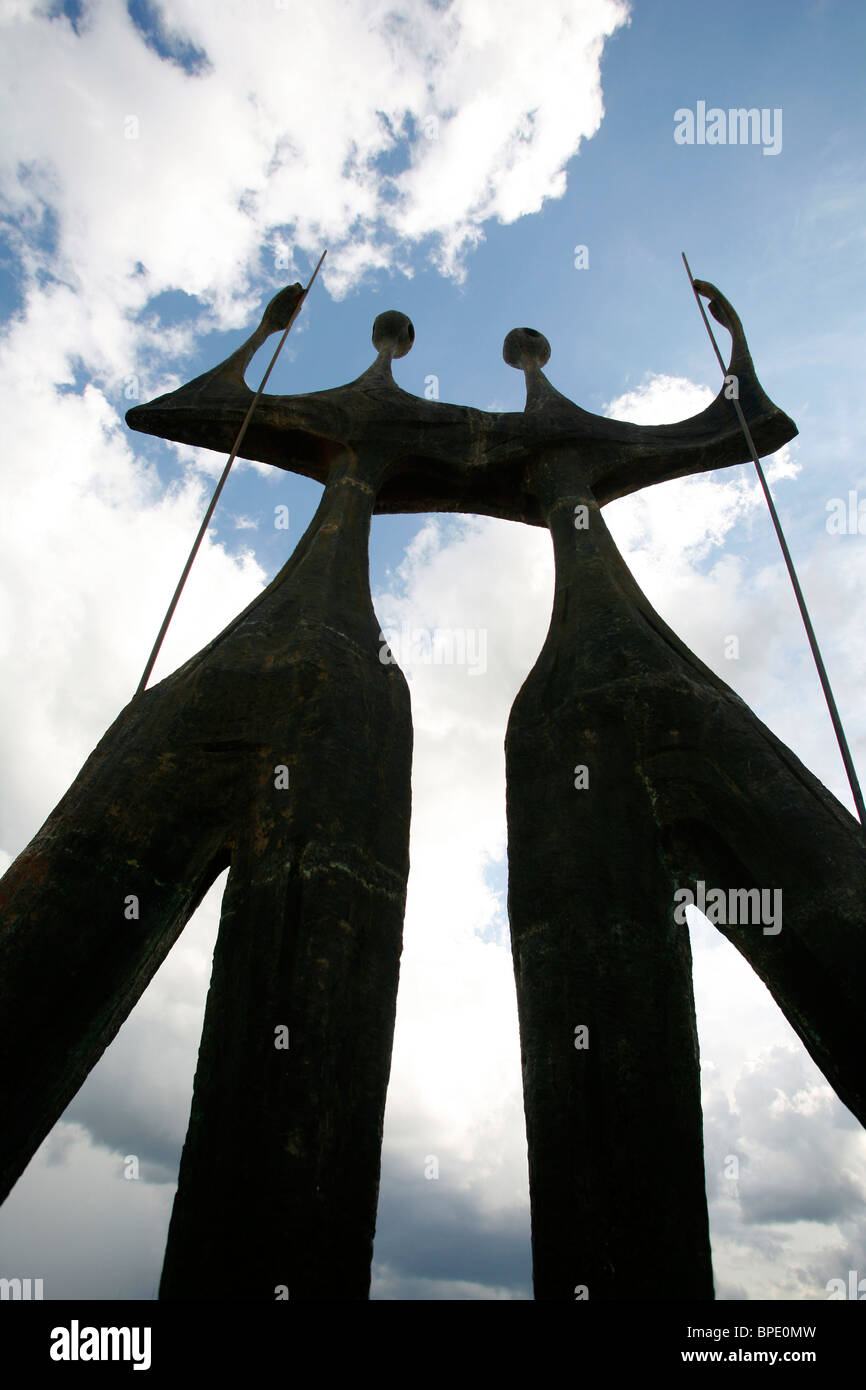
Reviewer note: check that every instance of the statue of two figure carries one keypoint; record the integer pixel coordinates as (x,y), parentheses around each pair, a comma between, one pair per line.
(283,751)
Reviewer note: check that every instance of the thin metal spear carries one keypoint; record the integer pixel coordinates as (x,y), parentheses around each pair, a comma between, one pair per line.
(801,602)
(221,484)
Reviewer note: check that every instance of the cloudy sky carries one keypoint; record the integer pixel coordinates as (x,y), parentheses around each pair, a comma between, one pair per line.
(479,165)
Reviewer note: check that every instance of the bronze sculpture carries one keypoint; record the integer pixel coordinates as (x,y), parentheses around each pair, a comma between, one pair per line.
(284,750)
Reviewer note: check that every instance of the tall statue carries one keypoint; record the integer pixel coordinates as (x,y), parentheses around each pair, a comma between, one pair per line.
(283,750)
(632,772)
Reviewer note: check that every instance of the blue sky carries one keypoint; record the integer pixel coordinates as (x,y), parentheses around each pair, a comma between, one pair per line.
(158,160)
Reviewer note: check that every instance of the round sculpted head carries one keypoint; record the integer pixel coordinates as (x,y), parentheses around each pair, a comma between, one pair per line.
(393,333)
(526,348)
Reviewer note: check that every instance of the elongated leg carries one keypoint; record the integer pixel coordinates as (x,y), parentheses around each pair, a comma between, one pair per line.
(737,811)
(90,909)
(280,1171)
(286,1125)
(608,1037)
(684,784)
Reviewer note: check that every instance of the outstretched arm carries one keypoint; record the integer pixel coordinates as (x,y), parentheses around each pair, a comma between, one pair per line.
(712,439)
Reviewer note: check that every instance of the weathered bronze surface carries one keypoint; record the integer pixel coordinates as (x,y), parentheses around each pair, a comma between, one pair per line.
(677,781)
(279,1174)
(283,749)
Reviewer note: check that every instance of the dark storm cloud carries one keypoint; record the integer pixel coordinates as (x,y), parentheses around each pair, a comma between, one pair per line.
(428,1230)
